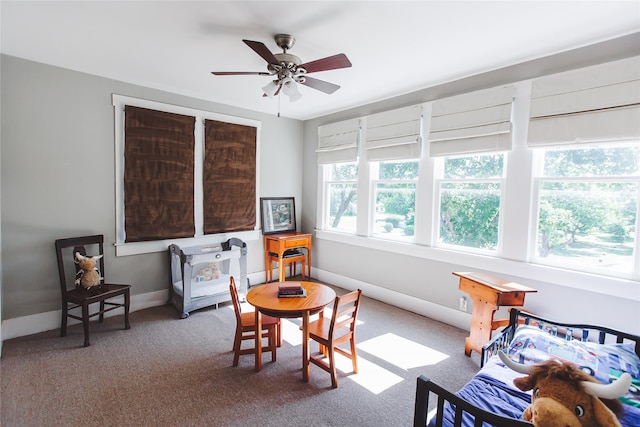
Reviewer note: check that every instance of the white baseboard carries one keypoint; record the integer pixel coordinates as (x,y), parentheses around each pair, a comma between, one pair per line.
(41,322)
(459,319)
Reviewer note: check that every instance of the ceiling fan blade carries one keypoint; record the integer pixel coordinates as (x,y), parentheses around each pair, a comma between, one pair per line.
(240,73)
(320,85)
(262,50)
(330,63)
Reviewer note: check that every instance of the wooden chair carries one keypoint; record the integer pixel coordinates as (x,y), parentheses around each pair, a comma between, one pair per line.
(78,297)
(290,260)
(330,333)
(246,329)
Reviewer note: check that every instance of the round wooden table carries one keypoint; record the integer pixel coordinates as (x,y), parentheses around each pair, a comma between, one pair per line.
(265,299)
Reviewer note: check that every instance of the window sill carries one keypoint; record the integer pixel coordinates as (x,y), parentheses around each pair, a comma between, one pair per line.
(135,248)
(622,288)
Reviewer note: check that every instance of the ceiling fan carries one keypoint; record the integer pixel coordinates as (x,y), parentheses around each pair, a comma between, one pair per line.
(289,70)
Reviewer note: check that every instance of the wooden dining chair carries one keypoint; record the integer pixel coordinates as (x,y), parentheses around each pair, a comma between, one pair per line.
(246,329)
(329,333)
(75,296)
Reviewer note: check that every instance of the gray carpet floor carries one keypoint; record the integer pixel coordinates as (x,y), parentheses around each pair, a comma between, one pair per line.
(167,371)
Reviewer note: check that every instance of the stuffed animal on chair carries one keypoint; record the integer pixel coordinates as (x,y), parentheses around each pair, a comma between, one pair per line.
(564,396)
(88,276)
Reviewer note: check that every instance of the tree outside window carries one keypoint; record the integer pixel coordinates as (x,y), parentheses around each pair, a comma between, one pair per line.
(342,191)
(587,206)
(470,192)
(395,199)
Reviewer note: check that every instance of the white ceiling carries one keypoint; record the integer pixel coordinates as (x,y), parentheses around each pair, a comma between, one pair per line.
(395,47)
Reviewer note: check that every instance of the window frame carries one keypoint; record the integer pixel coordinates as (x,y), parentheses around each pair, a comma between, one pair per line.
(326,195)
(132,248)
(374,170)
(517,219)
(539,178)
(440,179)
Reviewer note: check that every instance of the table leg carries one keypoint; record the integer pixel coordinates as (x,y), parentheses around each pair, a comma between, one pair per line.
(305,347)
(258,346)
(281,271)
(481,326)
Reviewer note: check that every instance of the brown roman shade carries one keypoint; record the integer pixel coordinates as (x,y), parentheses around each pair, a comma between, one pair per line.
(229,178)
(158,175)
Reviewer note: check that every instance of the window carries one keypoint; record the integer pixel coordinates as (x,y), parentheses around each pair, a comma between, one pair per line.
(338,159)
(542,172)
(341,189)
(187,171)
(229,177)
(587,201)
(395,199)
(470,190)
(158,175)
(393,146)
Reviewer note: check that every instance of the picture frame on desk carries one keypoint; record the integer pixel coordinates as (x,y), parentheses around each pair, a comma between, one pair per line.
(277,214)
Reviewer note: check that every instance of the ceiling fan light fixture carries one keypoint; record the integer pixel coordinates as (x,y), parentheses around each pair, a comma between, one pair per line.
(288,70)
(290,88)
(271,89)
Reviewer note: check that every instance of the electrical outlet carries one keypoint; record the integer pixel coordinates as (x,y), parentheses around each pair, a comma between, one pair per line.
(463,304)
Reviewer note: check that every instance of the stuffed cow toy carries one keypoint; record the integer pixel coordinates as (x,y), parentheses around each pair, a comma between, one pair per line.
(88,276)
(564,396)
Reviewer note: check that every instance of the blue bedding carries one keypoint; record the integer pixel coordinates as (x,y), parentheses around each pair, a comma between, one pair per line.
(492,388)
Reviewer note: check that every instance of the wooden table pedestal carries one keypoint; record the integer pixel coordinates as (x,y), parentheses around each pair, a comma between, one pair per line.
(488,294)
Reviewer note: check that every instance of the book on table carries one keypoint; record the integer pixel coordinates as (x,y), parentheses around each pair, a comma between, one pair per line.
(303,294)
(291,289)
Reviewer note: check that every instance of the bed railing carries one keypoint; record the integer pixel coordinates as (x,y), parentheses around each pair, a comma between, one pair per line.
(569,331)
(426,387)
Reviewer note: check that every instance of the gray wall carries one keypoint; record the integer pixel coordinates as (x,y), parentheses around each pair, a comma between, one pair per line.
(58,177)
(431,280)
(1,339)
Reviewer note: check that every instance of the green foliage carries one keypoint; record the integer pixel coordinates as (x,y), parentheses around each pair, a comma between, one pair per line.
(609,161)
(398,170)
(394,220)
(469,215)
(396,199)
(618,232)
(409,230)
(342,195)
(344,172)
(410,219)
(478,167)
(578,217)
(573,211)
(342,201)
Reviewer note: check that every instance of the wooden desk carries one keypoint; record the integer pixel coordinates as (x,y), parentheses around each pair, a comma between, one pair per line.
(488,294)
(265,299)
(278,243)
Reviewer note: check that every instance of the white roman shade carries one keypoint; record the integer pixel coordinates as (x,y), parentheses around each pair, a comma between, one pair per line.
(594,104)
(475,122)
(394,135)
(338,142)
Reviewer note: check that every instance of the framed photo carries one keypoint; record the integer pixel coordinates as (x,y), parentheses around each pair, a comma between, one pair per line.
(278,214)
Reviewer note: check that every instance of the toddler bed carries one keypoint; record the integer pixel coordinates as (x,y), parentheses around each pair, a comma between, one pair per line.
(491,399)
